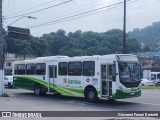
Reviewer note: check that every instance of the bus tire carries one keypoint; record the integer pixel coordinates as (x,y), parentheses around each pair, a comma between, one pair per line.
(91,95)
(111,100)
(10,85)
(38,90)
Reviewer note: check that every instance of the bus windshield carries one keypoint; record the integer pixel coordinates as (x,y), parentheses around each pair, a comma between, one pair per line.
(129,73)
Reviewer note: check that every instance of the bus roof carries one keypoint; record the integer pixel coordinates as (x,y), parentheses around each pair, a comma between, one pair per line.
(51,57)
(122,57)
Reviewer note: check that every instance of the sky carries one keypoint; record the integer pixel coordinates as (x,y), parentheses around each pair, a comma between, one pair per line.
(84,15)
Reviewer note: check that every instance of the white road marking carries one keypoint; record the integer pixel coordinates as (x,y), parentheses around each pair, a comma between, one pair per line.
(147,103)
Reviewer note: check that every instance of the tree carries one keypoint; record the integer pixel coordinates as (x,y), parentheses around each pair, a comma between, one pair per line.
(39,46)
(24,52)
(132,46)
(73,44)
(72,48)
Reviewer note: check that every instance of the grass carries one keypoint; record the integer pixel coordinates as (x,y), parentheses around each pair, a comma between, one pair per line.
(4,95)
(151,87)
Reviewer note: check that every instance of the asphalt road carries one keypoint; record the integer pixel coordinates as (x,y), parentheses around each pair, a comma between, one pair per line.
(24,100)
(150,100)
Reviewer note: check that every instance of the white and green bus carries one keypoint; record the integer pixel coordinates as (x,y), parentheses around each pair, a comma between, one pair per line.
(114,76)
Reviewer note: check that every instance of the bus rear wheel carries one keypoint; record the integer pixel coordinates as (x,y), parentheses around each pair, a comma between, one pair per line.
(91,95)
(10,85)
(38,90)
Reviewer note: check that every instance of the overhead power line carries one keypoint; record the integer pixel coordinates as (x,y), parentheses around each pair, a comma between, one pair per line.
(78,14)
(40,9)
(73,11)
(31,8)
(91,12)
(69,19)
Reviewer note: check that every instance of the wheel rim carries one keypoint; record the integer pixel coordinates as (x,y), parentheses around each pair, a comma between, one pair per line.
(37,90)
(91,95)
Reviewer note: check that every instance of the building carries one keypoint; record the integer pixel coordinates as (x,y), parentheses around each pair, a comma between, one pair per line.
(9,59)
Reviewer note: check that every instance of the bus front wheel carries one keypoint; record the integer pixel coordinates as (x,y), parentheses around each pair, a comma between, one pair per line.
(91,95)
(38,90)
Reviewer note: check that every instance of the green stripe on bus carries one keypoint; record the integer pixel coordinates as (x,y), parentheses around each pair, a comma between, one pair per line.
(121,94)
(28,82)
(77,90)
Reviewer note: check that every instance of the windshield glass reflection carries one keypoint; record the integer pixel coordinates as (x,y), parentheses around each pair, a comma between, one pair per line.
(129,72)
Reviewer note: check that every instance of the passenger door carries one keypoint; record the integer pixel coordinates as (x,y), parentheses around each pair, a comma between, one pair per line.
(108,76)
(52,75)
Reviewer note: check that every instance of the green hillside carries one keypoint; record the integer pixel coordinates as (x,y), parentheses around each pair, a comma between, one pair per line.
(73,44)
(148,35)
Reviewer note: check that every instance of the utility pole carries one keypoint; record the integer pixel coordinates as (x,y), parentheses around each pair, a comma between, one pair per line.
(124,29)
(1,53)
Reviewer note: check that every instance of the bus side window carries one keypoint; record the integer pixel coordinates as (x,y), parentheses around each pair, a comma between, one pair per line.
(21,69)
(75,68)
(88,68)
(62,68)
(40,69)
(30,69)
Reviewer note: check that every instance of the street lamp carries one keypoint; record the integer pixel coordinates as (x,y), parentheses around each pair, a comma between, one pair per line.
(29,17)
(1,48)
